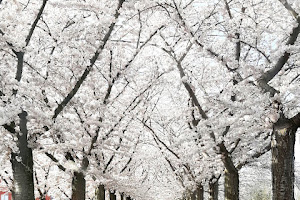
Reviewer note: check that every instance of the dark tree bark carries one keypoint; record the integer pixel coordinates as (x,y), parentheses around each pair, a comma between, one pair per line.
(193,195)
(100,192)
(112,195)
(231,175)
(22,161)
(123,197)
(22,164)
(200,192)
(231,184)
(88,69)
(283,143)
(78,186)
(213,189)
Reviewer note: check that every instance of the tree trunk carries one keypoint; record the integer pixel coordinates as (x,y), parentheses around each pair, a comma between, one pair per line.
(22,164)
(193,195)
(213,189)
(112,195)
(231,184)
(78,186)
(200,192)
(231,175)
(123,197)
(283,142)
(100,193)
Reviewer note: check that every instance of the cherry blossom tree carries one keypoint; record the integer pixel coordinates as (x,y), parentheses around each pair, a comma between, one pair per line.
(228,40)
(131,95)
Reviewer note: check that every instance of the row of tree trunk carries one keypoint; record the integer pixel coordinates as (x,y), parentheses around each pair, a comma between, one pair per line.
(283,143)
(100,194)
(79,191)
(283,178)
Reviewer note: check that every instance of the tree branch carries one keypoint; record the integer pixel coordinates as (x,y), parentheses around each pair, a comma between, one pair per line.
(255,155)
(289,8)
(210,51)
(228,9)
(130,158)
(270,74)
(78,84)
(56,161)
(33,26)
(186,84)
(257,49)
(226,158)
(296,120)
(10,127)
(235,145)
(160,141)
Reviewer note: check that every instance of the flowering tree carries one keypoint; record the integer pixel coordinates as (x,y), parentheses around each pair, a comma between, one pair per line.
(75,63)
(233,41)
(91,85)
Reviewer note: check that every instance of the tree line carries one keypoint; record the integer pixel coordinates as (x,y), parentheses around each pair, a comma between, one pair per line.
(135,96)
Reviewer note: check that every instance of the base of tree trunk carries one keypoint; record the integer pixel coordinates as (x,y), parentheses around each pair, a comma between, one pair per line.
(22,164)
(231,185)
(213,190)
(283,143)
(100,192)
(200,192)
(78,186)
(112,196)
